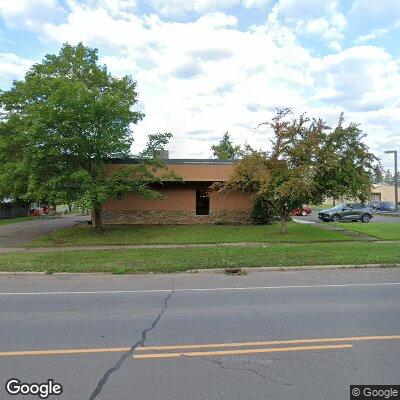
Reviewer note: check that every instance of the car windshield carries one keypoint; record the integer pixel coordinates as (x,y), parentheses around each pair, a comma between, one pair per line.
(339,206)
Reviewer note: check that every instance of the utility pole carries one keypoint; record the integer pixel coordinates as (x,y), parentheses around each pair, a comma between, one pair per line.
(396,179)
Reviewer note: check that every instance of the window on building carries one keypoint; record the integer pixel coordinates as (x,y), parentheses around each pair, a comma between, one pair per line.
(375,197)
(202,202)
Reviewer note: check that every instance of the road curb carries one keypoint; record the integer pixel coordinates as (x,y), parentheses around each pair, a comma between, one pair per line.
(217,270)
(23,273)
(297,268)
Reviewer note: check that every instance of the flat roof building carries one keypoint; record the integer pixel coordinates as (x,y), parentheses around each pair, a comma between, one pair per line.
(383,192)
(187,202)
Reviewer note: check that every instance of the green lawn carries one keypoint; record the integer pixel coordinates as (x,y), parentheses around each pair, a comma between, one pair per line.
(86,235)
(7,221)
(175,260)
(380,230)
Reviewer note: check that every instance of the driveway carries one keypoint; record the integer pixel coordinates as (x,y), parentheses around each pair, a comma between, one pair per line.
(277,335)
(313,217)
(22,233)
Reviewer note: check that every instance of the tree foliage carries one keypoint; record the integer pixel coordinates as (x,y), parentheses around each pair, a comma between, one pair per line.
(263,212)
(307,162)
(225,149)
(377,177)
(345,165)
(61,124)
(388,178)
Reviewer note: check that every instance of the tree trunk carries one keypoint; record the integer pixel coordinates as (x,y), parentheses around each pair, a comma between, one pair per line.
(334,202)
(98,219)
(283,222)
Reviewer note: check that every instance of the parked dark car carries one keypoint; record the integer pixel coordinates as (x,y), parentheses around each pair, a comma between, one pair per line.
(303,211)
(383,206)
(346,212)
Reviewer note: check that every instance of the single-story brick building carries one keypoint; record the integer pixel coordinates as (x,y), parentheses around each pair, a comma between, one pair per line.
(383,192)
(187,202)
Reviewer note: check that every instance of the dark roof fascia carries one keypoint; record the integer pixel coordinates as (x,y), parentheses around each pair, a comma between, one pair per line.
(200,161)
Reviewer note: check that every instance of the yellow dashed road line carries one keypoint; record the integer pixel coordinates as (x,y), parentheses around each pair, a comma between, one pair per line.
(244,351)
(211,346)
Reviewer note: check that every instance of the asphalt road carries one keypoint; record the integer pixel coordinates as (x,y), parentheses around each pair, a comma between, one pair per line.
(109,314)
(21,233)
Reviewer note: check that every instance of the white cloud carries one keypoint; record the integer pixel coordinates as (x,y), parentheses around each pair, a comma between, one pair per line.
(188,70)
(321,18)
(305,9)
(217,20)
(366,9)
(317,26)
(29,13)
(361,78)
(369,17)
(83,24)
(211,54)
(371,36)
(115,7)
(179,7)
(335,45)
(12,67)
(200,78)
(182,7)
(190,84)
(256,3)
(377,33)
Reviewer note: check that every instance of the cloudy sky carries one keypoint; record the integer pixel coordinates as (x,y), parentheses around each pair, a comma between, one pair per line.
(207,66)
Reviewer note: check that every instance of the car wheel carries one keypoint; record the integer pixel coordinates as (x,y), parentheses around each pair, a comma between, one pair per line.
(336,218)
(303,213)
(365,218)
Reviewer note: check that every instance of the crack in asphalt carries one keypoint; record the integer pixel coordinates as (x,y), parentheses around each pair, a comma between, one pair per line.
(129,353)
(220,364)
(272,369)
(350,366)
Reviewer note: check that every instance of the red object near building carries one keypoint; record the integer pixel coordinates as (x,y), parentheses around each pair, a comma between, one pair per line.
(301,212)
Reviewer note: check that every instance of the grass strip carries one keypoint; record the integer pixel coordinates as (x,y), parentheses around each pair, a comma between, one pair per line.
(380,230)
(175,260)
(82,235)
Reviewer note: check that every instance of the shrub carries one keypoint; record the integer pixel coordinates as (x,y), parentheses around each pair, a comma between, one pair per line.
(262,212)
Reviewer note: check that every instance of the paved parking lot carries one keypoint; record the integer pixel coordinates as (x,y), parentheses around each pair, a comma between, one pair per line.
(313,217)
(22,233)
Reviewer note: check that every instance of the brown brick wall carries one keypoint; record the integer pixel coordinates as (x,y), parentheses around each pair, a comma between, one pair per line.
(181,197)
(159,217)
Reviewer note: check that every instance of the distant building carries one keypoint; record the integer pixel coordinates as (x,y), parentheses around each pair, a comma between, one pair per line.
(187,202)
(383,192)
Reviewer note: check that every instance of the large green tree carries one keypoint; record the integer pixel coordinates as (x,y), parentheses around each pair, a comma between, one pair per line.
(62,123)
(296,170)
(225,149)
(345,166)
